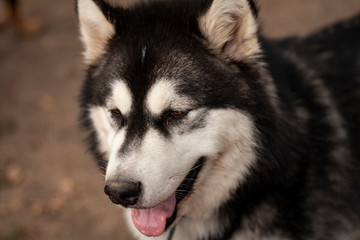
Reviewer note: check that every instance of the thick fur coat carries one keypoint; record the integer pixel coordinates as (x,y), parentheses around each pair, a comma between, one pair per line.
(216,132)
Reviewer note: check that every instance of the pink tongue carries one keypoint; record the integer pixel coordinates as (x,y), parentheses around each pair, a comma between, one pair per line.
(151,222)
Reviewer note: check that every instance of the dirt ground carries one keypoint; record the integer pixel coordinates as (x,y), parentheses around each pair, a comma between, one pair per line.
(50,187)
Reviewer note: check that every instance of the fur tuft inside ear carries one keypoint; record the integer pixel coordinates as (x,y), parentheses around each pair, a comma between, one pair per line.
(230,28)
(95,29)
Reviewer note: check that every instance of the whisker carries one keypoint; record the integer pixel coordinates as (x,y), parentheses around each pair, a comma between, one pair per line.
(180,191)
(101,174)
(181,174)
(189,179)
(182,195)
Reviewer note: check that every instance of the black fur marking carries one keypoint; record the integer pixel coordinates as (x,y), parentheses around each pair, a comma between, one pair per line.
(254,8)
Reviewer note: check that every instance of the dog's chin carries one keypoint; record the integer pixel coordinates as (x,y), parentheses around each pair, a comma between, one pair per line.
(154,221)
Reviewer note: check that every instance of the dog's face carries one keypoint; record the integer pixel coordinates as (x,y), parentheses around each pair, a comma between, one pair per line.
(167,104)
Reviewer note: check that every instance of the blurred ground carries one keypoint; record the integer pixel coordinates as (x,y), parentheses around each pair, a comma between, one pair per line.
(50,187)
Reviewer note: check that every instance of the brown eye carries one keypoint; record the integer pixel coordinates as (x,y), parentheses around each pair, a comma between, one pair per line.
(115,113)
(177,114)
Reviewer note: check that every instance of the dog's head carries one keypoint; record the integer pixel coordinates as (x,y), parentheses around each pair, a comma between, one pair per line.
(168,100)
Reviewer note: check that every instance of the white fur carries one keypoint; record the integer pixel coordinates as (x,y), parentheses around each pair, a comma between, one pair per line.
(104,130)
(113,170)
(121,97)
(95,29)
(231,29)
(162,96)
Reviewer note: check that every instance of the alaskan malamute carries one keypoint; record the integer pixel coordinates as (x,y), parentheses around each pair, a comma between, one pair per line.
(206,130)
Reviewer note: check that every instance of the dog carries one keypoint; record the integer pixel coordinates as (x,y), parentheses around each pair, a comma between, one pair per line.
(206,130)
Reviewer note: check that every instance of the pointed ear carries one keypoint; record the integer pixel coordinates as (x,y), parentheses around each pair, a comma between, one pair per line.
(231,27)
(95,29)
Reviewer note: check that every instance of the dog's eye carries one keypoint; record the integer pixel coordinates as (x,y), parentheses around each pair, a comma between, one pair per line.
(177,114)
(115,113)
(173,116)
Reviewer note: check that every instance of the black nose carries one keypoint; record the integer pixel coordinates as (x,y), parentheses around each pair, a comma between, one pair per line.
(123,193)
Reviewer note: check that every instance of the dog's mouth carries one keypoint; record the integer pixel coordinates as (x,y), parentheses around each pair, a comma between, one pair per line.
(154,221)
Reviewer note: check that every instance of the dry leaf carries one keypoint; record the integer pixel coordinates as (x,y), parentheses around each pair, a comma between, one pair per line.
(38,208)
(47,103)
(14,175)
(56,204)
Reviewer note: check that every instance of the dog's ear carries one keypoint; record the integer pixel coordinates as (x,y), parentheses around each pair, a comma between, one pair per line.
(231,29)
(95,29)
